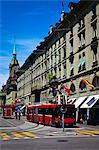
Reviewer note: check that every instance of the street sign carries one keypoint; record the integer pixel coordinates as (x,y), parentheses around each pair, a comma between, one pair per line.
(63,110)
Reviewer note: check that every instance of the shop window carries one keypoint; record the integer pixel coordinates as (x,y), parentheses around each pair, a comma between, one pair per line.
(82,86)
(72,87)
(95,81)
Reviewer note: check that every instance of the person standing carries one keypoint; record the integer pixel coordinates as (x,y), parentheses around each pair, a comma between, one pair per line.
(19,114)
(16,114)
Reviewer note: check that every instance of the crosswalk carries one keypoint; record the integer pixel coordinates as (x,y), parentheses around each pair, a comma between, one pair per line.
(30,135)
(16,135)
(87,132)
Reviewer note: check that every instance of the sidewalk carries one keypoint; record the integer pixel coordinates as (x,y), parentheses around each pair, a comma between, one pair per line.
(23,124)
(13,124)
(88,126)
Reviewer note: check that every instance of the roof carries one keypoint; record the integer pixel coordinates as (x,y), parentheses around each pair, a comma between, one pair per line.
(90,102)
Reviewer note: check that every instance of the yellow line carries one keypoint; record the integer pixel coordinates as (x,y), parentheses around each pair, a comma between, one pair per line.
(17,135)
(28,134)
(94,132)
(88,131)
(4,136)
(85,132)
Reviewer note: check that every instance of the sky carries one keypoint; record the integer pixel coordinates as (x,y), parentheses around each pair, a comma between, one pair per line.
(25,22)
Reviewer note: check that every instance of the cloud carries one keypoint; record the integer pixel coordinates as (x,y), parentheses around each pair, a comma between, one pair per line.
(28,44)
(3,79)
(25,47)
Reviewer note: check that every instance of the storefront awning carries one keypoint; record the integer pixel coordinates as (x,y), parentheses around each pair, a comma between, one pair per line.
(71,100)
(91,100)
(79,101)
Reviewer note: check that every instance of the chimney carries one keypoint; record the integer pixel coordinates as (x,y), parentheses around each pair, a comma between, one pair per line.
(62,15)
(51,29)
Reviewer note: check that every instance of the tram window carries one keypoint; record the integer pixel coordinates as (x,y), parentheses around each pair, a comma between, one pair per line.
(40,111)
(48,111)
(29,111)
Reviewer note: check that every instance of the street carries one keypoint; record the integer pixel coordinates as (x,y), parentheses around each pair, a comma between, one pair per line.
(69,143)
(24,135)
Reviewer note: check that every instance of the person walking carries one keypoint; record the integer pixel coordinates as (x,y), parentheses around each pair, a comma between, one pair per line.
(19,114)
(16,114)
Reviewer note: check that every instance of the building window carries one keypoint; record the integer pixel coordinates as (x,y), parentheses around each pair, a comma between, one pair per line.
(82,62)
(64,51)
(72,88)
(71,69)
(51,59)
(59,42)
(71,40)
(59,55)
(59,71)
(64,66)
(64,38)
(81,23)
(79,65)
(94,29)
(82,38)
(95,81)
(94,12)
(94,48)
(55,70)
(82,86)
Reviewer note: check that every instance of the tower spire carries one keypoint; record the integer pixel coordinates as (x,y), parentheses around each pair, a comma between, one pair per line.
(62,7)
(14,49)
(62,12)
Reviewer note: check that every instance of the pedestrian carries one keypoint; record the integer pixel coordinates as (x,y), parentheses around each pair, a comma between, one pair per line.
(19,114)
(16,114)
(81,119)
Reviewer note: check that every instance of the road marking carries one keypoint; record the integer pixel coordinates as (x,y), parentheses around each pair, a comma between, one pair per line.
(17,135)
(87,132)
(95,132)
(4,136)
(28,134)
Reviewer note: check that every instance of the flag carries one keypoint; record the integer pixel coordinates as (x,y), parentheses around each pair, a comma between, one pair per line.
(87,83)
(65,88)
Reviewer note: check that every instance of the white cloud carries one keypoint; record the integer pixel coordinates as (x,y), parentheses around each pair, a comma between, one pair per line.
(24,49)
(28,44)
(3,79)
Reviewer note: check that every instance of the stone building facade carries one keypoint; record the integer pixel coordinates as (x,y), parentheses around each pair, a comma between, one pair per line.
(70,52)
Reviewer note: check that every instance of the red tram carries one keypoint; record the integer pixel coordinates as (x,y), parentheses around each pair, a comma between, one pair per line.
(51,114)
